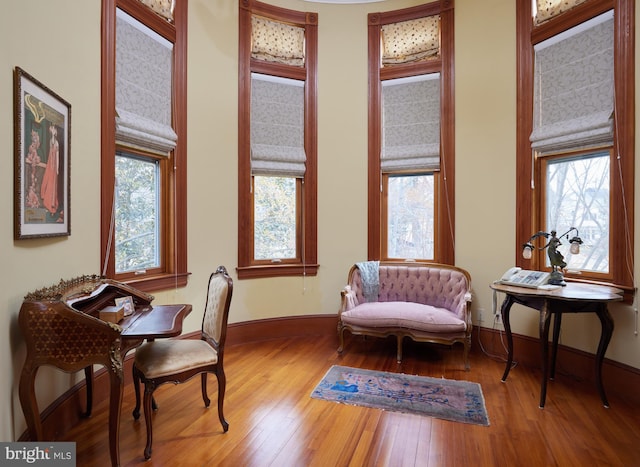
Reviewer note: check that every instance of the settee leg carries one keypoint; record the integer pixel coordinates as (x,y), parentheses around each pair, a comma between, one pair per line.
(399,352)
(467,346)
(340,339)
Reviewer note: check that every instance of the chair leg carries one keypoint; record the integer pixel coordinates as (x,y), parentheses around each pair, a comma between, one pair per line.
(148,411)
(399,352)
(136,388)
(203,383)
(222,386)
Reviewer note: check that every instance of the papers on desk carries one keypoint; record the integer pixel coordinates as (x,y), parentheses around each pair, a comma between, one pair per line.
(549,287)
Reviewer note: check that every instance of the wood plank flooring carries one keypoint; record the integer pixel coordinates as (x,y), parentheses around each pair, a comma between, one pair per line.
(274,422)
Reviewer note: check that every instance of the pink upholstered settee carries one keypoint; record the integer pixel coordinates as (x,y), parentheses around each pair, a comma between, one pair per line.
(427,302)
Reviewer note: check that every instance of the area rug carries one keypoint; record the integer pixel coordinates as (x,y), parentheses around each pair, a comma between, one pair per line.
(458,401)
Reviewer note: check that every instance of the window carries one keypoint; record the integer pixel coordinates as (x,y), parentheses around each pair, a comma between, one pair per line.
(577,194)
(410,214)
(143,159)
(277,178)
(575,137)
(411,158)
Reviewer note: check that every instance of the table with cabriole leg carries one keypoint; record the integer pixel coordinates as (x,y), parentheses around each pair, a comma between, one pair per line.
(572,298)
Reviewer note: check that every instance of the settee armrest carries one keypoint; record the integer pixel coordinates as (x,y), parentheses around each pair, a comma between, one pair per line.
(348,299)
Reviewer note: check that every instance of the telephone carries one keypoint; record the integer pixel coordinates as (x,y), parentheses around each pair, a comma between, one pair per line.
(523,278)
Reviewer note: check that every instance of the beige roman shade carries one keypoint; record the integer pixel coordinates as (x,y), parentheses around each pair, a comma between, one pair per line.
(410,41)
(547,9)
(275,41)
(144,63)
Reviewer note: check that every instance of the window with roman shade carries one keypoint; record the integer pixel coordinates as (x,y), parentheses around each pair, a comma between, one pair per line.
(143,87)
(143,150)
(575,115)
(411,133)
(411,124)
(277,141)
(277,126)
(573,88)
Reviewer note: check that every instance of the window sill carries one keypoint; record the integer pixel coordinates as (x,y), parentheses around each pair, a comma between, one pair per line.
(159,282)
(279,270)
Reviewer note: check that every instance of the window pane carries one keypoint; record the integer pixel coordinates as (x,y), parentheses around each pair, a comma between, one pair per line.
(577,195)
(137,220)
(275,217)
(410,228)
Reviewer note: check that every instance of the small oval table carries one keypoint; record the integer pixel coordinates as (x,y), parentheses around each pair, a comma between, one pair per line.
(572,298)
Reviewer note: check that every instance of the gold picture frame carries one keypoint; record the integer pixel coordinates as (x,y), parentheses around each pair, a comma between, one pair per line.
(42,136)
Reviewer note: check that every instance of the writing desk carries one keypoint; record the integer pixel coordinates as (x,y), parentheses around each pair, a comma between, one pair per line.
(572,298)
(61,329)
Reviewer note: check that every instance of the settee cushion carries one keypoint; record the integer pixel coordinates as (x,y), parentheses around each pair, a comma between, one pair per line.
(408,315)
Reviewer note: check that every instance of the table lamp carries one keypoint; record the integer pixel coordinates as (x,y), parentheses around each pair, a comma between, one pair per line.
(555,257)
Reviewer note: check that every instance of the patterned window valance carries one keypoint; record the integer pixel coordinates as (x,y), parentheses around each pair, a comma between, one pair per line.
(410,41)
(274,41)
(162,7)
(547,9)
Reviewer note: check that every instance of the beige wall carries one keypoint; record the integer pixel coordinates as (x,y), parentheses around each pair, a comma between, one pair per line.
(59,44)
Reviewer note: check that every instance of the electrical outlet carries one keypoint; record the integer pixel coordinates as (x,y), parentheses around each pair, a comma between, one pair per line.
(480,315)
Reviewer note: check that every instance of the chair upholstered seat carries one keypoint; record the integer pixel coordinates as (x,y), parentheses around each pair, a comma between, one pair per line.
(166,357)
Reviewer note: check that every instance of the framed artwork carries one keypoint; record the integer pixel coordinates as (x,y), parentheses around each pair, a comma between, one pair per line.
(127,304)
(42,133)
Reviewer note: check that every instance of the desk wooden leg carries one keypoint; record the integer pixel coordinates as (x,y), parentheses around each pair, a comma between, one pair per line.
(554,350)
(605,336)
(504,311)
(29,402)
(88,377)
(545,317)
(117,388)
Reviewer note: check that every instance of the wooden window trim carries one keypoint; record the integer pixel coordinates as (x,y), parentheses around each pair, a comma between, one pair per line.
(174,234)
(622,169)
(247,267)
(445,179)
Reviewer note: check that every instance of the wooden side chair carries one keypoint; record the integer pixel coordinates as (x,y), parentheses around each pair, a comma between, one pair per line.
(178,360)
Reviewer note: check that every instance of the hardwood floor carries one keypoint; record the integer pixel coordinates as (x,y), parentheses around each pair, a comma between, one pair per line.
(273,420)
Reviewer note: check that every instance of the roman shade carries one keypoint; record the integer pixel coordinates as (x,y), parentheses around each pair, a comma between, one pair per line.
(411,124)
(573,88)
(275,41)
(547,9)
(277,126)
(144,62)
(410,41)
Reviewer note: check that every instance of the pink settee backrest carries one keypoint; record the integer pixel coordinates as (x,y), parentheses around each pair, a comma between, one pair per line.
(437,285)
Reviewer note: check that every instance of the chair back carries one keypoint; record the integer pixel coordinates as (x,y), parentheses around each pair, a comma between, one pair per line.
(216,311)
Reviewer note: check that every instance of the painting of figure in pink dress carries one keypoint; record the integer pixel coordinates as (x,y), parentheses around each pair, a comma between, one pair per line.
(50,180)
